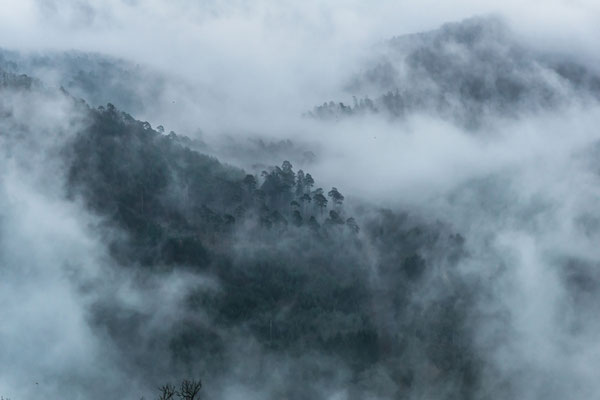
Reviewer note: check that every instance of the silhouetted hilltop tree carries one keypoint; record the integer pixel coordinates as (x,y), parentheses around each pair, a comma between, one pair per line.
(336,196)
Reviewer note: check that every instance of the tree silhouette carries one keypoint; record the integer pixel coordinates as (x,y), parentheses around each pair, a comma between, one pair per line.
(351,223)
(287,174)
(313,224)
(167,392)
(320,200)
(336,196)
(305,198)
(334,218)
(296,218)
(189,389)
(250,183)
(300,183)
(309,182)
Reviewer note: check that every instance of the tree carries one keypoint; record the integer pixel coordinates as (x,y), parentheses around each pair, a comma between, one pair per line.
(272,186)
(300,183)
(313,224)
(336,196)
(320,200)
(260,196)
(250,183)
(288,177)
(305,199)
(167,392)
(351,223)
(308,182)
(334,218)
(296,218)
(189,389)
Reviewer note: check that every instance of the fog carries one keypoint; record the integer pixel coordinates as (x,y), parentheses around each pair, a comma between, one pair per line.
(255,65)
(517,178)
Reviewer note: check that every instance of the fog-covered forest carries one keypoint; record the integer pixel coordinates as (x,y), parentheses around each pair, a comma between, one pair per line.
(235,200)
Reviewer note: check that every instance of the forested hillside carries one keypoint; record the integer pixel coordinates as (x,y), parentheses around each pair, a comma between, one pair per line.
(294,268)
(467,72)
(297,275)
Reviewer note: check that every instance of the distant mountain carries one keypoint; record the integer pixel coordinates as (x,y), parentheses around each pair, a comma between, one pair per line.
(464,72)
(99,79)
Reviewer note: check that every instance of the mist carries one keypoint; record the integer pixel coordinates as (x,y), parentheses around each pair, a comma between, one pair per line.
(463,136)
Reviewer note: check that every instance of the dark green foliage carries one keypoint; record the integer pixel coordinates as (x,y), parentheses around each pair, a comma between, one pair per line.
(336,196)
(305,198)
(334,218)
(300,183)
(159,191)
(308,182)
(319,199)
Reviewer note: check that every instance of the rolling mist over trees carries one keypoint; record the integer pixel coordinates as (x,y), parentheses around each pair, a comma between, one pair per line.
(291,265)
(466,72)
(299,261)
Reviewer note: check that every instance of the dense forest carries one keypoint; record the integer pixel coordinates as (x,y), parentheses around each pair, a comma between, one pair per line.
(291,263)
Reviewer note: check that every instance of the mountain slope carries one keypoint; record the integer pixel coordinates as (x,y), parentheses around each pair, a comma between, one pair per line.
(466,72)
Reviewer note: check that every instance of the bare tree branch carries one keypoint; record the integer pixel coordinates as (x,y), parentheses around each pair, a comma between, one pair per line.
(167,392)
(188,390)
